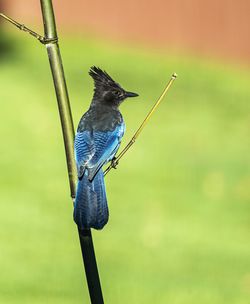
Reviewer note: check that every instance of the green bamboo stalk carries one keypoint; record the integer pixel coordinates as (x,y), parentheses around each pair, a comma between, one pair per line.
(55,60)
(50,39)
(61,90)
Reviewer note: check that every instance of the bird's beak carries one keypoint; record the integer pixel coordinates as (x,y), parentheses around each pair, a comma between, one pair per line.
(131,94)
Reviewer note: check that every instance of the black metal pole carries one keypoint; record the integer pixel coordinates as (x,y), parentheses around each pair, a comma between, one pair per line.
(90,265)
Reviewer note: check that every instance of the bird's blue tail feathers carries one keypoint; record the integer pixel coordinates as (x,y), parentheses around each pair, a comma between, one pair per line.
(91,208)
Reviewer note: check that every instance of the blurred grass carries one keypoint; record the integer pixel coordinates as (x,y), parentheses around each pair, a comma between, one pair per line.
(179,203)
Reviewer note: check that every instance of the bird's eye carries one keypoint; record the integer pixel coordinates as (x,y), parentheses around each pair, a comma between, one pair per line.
(117,93)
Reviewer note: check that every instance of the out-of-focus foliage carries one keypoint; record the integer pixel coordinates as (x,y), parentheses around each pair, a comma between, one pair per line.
(179,203)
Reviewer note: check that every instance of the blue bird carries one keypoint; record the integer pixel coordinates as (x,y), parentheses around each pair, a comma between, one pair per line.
(98,138)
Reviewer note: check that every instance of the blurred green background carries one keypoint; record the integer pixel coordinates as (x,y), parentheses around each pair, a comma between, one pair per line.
(179,226)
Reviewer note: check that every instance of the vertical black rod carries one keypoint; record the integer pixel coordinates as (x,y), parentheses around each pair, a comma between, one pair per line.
(55,60)
(89,260)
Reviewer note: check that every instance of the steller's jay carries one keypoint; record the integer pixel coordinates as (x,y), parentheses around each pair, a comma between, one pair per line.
(98,138)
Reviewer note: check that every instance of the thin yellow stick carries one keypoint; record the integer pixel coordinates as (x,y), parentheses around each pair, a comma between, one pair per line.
(22,27)
(114,163)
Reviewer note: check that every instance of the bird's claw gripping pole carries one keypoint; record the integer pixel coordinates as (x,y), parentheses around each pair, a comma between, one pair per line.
(51,41)
(115,161)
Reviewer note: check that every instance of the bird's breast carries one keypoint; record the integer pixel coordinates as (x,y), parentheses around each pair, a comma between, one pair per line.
(100,120)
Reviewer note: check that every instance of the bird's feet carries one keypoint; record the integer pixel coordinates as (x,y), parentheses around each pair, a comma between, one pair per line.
(114,163)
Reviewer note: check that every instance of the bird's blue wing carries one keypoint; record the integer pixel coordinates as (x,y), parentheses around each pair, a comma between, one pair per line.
(84,150)
(94,149)
(107,144)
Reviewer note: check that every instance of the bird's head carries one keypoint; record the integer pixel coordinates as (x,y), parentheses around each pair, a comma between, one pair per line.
(107,91)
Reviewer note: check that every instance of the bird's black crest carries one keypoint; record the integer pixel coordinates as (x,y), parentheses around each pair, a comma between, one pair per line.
(102,78)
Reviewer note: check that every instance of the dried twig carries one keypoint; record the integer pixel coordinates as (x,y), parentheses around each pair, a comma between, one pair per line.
(114,163)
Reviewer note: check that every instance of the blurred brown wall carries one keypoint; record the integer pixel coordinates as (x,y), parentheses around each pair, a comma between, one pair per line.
(216,27)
